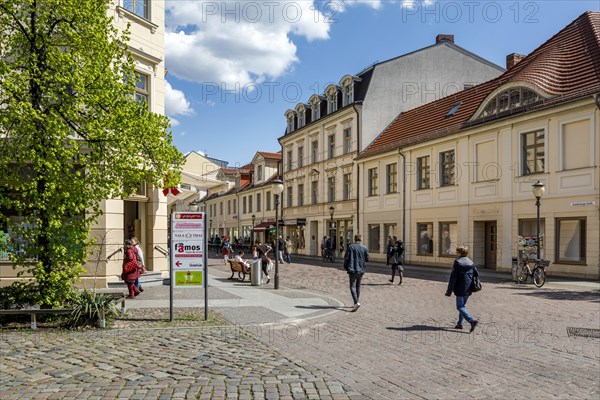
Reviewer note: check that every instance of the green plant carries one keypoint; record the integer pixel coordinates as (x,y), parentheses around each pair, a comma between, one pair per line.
(88,307)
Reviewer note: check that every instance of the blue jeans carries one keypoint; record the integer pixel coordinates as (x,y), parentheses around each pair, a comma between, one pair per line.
(461,306)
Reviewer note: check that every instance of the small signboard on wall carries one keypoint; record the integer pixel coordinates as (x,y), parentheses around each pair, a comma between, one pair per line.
(187,249)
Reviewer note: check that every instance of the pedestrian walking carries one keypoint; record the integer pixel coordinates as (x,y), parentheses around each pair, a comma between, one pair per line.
(355,264)
(460,283)
(140,258)
(396,260)
(388,249)
(288,250)
(263,250)
(130,271)
(280,248)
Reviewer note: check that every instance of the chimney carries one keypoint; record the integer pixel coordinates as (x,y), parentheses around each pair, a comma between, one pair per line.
(444,38)
(513,59)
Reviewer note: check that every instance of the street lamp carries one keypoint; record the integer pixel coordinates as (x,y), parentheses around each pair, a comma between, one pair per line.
(193,205)
(331,211)
(277,190)
(252,231)
(538,191)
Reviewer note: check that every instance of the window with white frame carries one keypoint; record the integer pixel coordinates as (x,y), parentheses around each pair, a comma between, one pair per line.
(289,160)
(258,202)
(316,109)
(423,180)
(301,117)
(259,172)
(425,238)
(347,186)
(570,240)
(332,98)
(300,156)
(348,93)
(314,192)
(374,238)
(141,8)
(331,188)
(447,168)
(289,196)
(290,122)
(347,140)
(142,84)
(268,201)
(301,194)
(331,145)
(391,172)
(314,149)
(533,152)
(372,181)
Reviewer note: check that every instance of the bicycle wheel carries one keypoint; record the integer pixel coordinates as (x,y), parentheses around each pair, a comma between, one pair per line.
(539,277)
(523,274)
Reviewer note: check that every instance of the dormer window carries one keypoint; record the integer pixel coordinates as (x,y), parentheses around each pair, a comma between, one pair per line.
(259,173)
(507,99)
(332,98)
(348,93)
(301,118)
(290,121)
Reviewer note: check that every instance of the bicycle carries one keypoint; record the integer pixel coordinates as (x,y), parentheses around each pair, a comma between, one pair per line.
(537,273)
(328,254)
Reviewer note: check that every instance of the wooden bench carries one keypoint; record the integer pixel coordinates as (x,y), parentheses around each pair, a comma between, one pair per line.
(34,311)
(240,268)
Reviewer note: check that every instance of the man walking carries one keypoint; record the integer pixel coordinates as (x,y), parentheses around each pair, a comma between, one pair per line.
(354,263)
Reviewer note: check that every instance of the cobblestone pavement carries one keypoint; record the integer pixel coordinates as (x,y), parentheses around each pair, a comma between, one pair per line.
(398,345)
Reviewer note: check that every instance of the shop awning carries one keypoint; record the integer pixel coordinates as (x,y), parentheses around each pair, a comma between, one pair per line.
(263,226)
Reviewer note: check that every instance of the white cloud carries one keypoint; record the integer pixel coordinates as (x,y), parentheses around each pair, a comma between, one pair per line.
(176,103)
(174,122)
(229,42)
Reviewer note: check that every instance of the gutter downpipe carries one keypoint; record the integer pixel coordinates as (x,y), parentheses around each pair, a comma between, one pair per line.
(358,146)
(403,201)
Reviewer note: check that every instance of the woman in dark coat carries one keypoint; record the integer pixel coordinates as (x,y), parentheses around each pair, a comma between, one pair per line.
(460,283)
(130,269)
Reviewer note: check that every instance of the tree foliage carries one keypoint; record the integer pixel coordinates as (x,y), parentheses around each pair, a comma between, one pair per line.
(71,133)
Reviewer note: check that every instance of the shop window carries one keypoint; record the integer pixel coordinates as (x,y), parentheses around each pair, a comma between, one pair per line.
(425,238)
(374,238)
(448,232)
(570,240)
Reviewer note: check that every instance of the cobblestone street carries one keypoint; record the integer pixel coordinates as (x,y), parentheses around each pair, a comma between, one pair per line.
(399,344)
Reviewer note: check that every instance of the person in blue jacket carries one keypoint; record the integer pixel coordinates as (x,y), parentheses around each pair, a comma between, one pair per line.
(355,264)
(460,283)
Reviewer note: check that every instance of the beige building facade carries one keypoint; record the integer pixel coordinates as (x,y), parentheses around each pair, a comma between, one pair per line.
(467,164)
(325,135)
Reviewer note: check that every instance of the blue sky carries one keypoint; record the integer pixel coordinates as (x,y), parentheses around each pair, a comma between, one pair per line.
(235,67)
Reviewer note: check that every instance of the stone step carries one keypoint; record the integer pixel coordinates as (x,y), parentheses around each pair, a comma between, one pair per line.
(148,279)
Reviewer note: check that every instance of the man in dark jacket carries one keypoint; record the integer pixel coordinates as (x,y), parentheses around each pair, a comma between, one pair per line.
(355,264)
(460,283)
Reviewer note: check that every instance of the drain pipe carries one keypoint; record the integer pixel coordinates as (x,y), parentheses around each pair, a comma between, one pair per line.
(358,146)
(403,201)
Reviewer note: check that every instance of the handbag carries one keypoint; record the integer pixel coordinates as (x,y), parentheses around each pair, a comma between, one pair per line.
(475,284)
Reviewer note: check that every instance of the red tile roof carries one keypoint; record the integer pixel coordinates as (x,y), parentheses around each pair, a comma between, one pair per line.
(566,66)
(274,156)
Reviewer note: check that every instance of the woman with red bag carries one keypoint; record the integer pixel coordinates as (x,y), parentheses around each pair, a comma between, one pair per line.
(130,269)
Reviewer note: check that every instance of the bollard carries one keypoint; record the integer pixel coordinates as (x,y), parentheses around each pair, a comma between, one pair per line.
(256,272)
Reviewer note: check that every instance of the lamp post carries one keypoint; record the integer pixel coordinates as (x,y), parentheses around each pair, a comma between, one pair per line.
(331,211)
(193,205)
(538,191)
(252,231)
(277,190)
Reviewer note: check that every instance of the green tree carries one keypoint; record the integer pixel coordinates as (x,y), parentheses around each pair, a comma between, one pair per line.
(71,134)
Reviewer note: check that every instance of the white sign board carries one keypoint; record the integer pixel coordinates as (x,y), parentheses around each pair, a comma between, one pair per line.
(187,249)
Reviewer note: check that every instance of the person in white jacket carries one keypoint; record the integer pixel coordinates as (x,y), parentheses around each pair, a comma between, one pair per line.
(140,257)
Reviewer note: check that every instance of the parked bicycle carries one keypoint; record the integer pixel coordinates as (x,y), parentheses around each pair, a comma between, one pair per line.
(537,272)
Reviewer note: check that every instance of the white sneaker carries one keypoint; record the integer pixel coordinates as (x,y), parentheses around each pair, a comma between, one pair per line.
(356,307)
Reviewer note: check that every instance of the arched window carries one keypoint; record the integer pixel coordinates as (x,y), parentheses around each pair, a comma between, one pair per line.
(508,99)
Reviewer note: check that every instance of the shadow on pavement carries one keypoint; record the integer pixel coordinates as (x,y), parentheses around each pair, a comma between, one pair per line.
(423,328)
(323,307)
(554,294)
